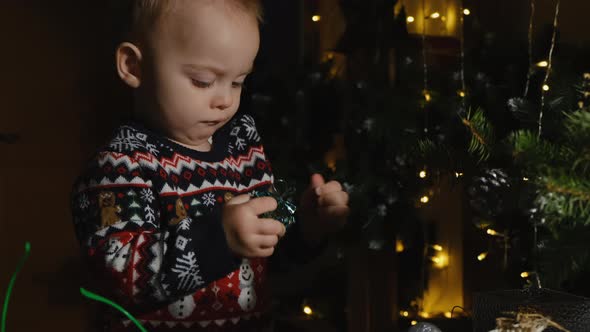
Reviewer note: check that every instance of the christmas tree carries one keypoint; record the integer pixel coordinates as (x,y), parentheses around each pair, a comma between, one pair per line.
(402,124)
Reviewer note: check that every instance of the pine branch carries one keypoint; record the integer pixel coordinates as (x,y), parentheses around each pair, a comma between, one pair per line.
(537,154)
(437,155)
(426,147)
(582,163)
(565,198)
(578,127)
(481,134)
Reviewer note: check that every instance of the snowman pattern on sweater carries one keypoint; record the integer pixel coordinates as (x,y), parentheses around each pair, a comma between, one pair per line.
(117,254)
(183,307)
(247,298)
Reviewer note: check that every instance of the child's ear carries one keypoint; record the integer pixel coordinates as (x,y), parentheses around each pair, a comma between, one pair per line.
(128,61)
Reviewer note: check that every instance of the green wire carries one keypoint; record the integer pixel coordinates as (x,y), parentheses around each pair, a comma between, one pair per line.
(84,292)
(99,298)
(11,283)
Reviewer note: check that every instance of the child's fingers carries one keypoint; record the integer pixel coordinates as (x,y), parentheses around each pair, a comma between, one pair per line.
(269,226)
(316,181)
(261,205)
(266,252)
(333,199)
(266,241)
(329,187)
(239,199)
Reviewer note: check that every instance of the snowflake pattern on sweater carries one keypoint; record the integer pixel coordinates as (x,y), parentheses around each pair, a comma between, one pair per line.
(147,214)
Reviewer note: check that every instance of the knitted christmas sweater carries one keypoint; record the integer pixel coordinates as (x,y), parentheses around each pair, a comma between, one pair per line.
(147,214)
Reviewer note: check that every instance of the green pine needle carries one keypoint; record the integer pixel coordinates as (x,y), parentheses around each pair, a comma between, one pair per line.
(536,153)
(482,136)
(565,198)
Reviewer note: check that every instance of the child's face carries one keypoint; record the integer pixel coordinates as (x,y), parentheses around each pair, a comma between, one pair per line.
(202,52)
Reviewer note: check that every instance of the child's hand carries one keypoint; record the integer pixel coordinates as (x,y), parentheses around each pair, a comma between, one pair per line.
(246,234)
(324,207)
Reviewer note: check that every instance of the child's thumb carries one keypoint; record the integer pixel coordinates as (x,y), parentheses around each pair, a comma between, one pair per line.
(316,180)
(241,199)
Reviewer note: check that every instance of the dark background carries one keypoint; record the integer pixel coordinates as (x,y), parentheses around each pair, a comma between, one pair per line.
(59,95)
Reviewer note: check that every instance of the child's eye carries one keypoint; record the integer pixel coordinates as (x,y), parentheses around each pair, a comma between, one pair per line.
(237,84)
(201,84)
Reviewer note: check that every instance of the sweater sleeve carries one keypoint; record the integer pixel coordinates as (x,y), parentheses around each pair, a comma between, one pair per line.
(138,254)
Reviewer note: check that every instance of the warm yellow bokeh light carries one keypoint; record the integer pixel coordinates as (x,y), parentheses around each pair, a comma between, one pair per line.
(307,310)
(410,19)
(424,199)
(316,18)
(545,87)
(466,12)
(399,246)
(440,261)
(482,256)
(543,64)
(422,174)
(435,15)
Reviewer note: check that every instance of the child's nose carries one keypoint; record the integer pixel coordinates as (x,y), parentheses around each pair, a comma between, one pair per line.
(223,99)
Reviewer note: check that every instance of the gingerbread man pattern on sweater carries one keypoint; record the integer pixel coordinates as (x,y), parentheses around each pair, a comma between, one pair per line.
(147,213)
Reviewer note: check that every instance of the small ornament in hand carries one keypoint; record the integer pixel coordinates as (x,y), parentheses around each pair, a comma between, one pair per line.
(285,211)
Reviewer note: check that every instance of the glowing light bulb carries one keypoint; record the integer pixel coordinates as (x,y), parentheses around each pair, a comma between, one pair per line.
(316,18)
(461,93)
(448,314)
(410,19)
(545,87)
(414,322)
(525,179)
(492,232)
(543,64)
(422,174)
(435,15)
(424,199)
(404,313)
(307,310)
(399,246)
(423,314)
(440,261)
(437,247)
(524,275)
(482,256)
(466,12)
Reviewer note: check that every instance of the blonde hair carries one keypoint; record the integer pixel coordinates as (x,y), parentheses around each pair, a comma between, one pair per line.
(146,13)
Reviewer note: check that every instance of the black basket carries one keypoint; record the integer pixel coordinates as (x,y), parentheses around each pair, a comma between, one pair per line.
(570,311)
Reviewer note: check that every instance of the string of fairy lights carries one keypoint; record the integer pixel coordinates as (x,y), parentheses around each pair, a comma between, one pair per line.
(549,67)
(440,258)
(543,64)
